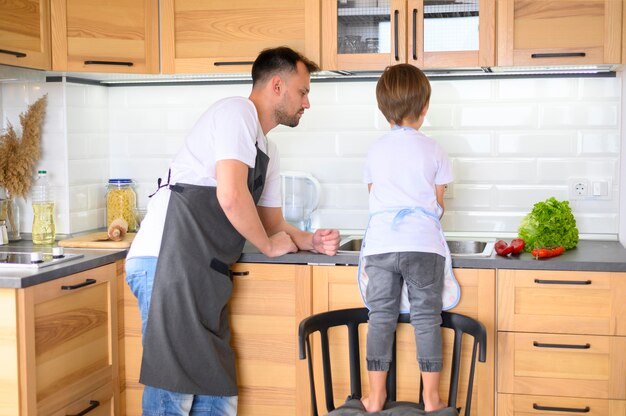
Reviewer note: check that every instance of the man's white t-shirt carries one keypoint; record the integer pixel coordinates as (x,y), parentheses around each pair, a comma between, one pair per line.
(229,129)
(404,166)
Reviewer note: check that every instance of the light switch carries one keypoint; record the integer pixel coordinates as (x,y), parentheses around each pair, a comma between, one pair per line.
(600,188)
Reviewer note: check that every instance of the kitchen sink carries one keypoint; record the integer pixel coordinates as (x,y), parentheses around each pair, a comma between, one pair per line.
(458,248)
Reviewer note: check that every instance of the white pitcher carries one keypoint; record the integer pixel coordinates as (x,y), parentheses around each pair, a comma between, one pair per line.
(301,195)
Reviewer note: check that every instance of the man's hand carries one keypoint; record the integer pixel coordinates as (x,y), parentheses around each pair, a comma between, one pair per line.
(280,244)
(326,242)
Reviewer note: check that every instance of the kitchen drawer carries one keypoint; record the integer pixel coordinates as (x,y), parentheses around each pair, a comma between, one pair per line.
(522,405)
(97,403)
(562,302)
(69,338)
(580,366)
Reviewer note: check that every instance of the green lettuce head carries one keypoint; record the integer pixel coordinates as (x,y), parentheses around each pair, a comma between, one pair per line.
(550,223)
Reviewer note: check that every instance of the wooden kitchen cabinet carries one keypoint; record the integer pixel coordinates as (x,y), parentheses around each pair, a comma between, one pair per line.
(372,34)
(25,33)
(223,36)
(59,346)
(561,342)
(112,36)
(559,32)
(267,305)
(336,288)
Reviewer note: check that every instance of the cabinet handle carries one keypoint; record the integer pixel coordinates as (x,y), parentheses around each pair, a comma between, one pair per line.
(395,34)
(586,409)
(240,273)
(570,346)
(87,282)
(224,63)
(562,282)
(559,55)
(120,63)
(92,405)
(415,34)
(16,54)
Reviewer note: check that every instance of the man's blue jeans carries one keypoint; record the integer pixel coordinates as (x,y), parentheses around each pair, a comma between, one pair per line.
(158,402)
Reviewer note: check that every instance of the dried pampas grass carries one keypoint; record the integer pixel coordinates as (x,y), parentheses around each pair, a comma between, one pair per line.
(18,157)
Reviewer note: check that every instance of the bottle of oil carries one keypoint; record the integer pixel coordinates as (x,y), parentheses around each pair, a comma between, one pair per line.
(43,210)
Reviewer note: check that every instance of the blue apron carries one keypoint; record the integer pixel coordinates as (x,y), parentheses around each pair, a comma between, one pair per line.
(451,289)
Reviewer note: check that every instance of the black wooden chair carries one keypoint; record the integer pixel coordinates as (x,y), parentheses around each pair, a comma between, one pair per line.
(352,318)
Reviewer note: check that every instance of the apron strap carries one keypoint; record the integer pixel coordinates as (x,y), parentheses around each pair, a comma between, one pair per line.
(159,186)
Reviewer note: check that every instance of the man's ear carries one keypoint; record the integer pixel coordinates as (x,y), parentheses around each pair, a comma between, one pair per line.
(277,84)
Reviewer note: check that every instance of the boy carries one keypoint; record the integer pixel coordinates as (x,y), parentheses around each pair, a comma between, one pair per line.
(406,173)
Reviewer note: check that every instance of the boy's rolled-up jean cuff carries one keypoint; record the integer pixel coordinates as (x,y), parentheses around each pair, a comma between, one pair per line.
(378,365)
(430,366)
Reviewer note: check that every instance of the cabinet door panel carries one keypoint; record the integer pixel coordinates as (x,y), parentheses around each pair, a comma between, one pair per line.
(336,288)
(267,305)
(523,405)
(563,365)
(222,36)
(114,36)
(548,32)
(562,302)
(25,33)
(70,335)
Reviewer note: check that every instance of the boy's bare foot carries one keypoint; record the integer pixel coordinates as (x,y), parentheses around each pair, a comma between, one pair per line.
(440,406)
(373,404)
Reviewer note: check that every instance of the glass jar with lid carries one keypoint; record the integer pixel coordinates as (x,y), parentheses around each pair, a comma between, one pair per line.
(121,200)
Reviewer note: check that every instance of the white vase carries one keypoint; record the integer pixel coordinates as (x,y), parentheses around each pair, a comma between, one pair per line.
(10,212)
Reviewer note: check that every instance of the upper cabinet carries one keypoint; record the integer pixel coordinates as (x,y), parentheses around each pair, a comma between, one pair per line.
(25,33)
(559,32)
(371,34)
(222,36)
(111,36)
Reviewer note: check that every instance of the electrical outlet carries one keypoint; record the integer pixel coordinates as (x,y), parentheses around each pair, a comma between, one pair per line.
(578,188)
(448,192)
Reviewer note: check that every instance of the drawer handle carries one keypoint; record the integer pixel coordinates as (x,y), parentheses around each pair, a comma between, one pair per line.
(240,273)
(574,347)
(16,54)
(108,63)
(92,405)
(87,282)
(559,55)
(415,34)
(224,63)
(562,282)
(396,54)
(586,409)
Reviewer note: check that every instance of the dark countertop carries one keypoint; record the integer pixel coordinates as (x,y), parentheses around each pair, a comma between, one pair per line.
(590,255)
(25,277)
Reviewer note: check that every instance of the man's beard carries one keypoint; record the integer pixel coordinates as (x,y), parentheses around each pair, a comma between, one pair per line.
(290,120)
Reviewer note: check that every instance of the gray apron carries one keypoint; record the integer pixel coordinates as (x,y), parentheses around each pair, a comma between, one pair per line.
(187,338)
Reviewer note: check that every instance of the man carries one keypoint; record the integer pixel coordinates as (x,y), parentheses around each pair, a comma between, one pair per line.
(223,188)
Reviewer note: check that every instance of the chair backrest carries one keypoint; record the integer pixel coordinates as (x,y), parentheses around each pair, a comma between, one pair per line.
(352,318)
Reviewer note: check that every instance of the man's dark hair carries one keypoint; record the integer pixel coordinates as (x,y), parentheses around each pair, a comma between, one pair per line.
(275,60)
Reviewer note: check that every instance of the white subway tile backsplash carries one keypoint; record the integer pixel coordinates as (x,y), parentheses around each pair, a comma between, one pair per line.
(587,115)
(495,170)
(511,115)
(460,144)
(538,89)
(539,143)
(513,142)
(453,92)
(598,142)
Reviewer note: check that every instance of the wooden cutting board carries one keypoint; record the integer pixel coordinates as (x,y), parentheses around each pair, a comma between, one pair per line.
(96,240)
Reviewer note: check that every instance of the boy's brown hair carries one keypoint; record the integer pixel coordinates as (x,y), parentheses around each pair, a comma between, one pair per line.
(402,92)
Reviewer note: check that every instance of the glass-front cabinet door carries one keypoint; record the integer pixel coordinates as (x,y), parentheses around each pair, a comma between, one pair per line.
(371,34)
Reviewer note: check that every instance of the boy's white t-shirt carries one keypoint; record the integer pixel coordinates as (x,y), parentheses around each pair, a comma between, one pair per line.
(403,167)
(229,129)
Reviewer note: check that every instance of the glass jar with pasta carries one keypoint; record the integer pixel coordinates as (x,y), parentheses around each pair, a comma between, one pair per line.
(121,201)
